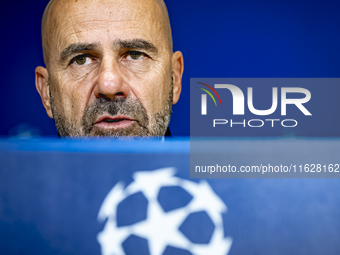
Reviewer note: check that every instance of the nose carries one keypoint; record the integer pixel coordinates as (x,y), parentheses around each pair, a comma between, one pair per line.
(110,84)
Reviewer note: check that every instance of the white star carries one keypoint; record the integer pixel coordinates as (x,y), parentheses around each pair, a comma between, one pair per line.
(162,229)
(218,245)
(111,201)
(151,182)
(204,199)
(215,247)
(111,238)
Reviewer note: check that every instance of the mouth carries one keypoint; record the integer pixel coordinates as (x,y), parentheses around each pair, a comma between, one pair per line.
(112,120)
(117,122)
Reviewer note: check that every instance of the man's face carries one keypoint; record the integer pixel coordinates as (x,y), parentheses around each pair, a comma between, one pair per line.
(109,69)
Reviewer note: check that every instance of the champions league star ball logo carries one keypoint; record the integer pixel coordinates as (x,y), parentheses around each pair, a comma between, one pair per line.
(165,230)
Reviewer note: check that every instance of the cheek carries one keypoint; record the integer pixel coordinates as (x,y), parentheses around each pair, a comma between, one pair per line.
(152,88)
(73,93)
(152,92)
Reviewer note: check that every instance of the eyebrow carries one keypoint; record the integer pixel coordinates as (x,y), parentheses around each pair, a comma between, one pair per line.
(127,44)
(136,44)
(76,48)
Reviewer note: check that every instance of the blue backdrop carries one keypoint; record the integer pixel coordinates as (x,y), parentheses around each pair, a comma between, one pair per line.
(52,190)
(218,38)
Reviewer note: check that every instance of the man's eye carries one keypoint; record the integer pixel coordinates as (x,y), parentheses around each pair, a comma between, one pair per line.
(134,55)
(81,60)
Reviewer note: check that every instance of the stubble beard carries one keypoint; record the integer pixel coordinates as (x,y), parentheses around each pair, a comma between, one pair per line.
(143,126)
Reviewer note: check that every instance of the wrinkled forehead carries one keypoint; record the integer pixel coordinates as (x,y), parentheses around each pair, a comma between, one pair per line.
(98,21)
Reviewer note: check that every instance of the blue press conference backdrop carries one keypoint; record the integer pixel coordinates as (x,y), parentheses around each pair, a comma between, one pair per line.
(239,38)
(52,192)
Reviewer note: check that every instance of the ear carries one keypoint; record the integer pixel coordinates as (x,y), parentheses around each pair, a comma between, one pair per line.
(41,83)
(177,70)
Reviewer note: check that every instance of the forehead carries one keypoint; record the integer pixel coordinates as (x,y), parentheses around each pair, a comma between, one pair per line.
(105,21)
